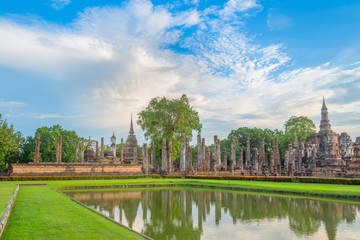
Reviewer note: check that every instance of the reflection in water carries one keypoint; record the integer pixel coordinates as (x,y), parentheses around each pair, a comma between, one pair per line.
(170,213)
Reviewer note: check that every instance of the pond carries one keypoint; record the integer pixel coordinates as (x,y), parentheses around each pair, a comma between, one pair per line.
(206,214)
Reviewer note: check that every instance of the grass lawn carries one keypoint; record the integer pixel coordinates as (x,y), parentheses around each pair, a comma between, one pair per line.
(294,188)
(6,192)
(42,213)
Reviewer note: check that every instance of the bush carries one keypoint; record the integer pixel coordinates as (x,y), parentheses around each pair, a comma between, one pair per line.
(173,176)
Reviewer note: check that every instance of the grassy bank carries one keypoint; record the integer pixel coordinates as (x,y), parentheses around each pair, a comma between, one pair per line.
(297,188)
(328,190)
(6,192)
(42,213)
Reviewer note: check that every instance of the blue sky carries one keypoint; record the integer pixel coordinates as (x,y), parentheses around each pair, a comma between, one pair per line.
(87,65)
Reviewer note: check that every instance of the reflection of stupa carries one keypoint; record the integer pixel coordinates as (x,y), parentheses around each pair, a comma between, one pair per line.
(131,149)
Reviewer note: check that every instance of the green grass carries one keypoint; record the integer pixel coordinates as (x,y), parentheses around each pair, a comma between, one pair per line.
(42,213)
(303,188)
(329,190)
(6,192)
(184,187)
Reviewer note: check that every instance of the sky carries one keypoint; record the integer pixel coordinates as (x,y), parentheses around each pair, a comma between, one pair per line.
(89,65)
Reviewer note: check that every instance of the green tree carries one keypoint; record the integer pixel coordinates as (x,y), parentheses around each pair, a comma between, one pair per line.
(164,118)
(302,126)
(48,142)
(255,135)
(10,144)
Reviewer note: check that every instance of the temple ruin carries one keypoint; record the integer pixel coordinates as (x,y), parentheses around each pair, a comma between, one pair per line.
(323,154)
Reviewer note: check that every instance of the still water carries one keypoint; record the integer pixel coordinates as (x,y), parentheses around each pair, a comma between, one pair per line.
(202,214)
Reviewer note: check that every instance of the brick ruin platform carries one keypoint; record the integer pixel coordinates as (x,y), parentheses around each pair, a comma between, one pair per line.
(74,169)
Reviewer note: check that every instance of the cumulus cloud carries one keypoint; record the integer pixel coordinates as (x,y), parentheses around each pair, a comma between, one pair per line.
(115,59)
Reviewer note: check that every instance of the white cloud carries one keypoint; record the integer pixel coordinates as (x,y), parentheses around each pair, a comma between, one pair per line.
(115,59)
(235,6)
(11,104)
(59,4)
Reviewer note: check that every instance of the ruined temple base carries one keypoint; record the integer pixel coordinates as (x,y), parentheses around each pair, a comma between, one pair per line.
(74,169)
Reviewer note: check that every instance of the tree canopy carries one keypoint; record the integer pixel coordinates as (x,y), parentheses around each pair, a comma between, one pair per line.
(48,141)
(302,126)
(10,144)
(164,118)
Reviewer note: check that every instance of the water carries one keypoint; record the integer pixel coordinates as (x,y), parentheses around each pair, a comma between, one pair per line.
(201,214)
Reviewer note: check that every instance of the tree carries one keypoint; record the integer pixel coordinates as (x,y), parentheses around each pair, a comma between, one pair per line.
(302,126)
(255,135)
(10,143)
(164,118)
(48,142)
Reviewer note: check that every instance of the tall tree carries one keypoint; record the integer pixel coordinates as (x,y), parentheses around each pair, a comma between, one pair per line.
(10,143)
(302,126)
(48,141)
(164,118)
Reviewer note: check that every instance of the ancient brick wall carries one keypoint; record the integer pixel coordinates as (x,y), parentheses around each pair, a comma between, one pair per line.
(74,169)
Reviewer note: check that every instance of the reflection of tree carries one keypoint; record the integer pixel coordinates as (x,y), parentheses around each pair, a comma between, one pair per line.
(171,210)
(301,217)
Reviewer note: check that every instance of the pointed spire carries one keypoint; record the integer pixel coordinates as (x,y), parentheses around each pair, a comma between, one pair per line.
(324,105)
(131,127)
(324,123)
(113,136)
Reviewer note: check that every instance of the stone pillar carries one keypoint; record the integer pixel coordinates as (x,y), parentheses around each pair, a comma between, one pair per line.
(145,159)
(291,156)
(122,150)
(59,150)
(286,163)
(241,159)
(215,153)
(170,157)
(97,149)
(275,148)
(189,157)
(247,154)
(271,164)
(212,161)
(255,162)
(296,154)
(135,155)
(163,156)
(152,159)
(224,160)
(218,153)
(37,148)
(77,152)
(182,154)
(82,150)
(203,154)
(232,154)
(199,151)
(261,154)
(207,159)
(102,148)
